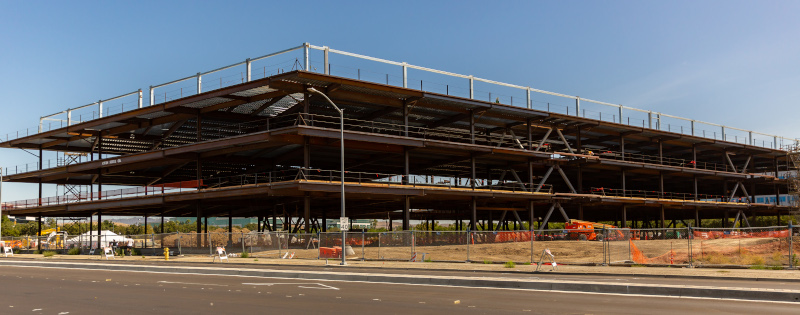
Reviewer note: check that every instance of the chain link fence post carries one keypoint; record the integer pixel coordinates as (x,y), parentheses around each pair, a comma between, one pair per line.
(413,242)
(469,240)
(606,249)
(532,236)
(791,249)
(690,236)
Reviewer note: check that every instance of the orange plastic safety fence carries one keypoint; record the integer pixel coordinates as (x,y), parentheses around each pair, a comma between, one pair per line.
(636,255)
(710,235)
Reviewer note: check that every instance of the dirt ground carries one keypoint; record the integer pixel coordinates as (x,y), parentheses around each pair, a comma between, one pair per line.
(752,251)
(726,251)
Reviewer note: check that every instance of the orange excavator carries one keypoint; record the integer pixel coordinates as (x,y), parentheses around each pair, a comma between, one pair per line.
(588,231)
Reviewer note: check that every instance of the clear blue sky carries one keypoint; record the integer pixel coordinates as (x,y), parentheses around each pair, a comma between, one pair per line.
(727,62)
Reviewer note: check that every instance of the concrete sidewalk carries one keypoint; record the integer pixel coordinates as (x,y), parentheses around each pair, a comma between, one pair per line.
(667,272)
(780,285)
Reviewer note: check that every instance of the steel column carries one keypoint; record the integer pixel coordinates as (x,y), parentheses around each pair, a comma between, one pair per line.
(530,133)
(406,213)
(39,229)
(406,167)
(471,90)
(528,98)
(473,219)
(307,211)
(327,69)
(199,222)
(624,216)
(660,151)
(697,222)
(405,75)
(473,171)
(624,188)
(471,126)
(199,83)
(99,227)
(248,64)
(531,214)
(305,60)
(230,227)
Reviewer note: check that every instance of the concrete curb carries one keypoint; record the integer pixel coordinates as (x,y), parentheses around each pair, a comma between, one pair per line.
(544,285)
(566,273)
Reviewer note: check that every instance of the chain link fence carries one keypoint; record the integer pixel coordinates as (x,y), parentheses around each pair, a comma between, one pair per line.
(765,247)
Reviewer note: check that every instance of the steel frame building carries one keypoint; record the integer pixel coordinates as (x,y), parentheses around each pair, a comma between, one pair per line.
(268,148)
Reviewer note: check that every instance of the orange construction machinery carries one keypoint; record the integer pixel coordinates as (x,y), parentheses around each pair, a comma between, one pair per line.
(591,231)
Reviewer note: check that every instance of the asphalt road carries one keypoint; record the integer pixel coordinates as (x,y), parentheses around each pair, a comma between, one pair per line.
(515,274)
(35,290)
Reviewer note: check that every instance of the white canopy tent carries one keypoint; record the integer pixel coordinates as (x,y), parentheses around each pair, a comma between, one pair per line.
(105,238)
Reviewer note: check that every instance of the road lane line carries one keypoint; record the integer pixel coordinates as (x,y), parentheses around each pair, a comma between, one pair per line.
(192,283)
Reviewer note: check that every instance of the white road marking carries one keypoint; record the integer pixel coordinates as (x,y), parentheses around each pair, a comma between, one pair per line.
(324,287)
(321,286)
(173,282)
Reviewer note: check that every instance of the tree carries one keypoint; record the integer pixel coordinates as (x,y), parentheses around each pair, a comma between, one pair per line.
(8,227)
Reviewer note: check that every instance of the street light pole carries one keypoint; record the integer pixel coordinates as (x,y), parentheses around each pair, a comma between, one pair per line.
(341,140)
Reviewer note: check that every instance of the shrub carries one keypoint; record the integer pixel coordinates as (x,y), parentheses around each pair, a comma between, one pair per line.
(49,253)
(428,260)
(753,260)
(245,255)
(718,259)
(510,264)
(36,252)
(74,251)
(777,256)
(486,261)
(137,252)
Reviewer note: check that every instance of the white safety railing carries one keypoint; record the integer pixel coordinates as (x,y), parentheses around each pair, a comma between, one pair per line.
(619,114)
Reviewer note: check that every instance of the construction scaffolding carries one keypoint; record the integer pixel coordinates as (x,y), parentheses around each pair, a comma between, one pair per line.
(70,191)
